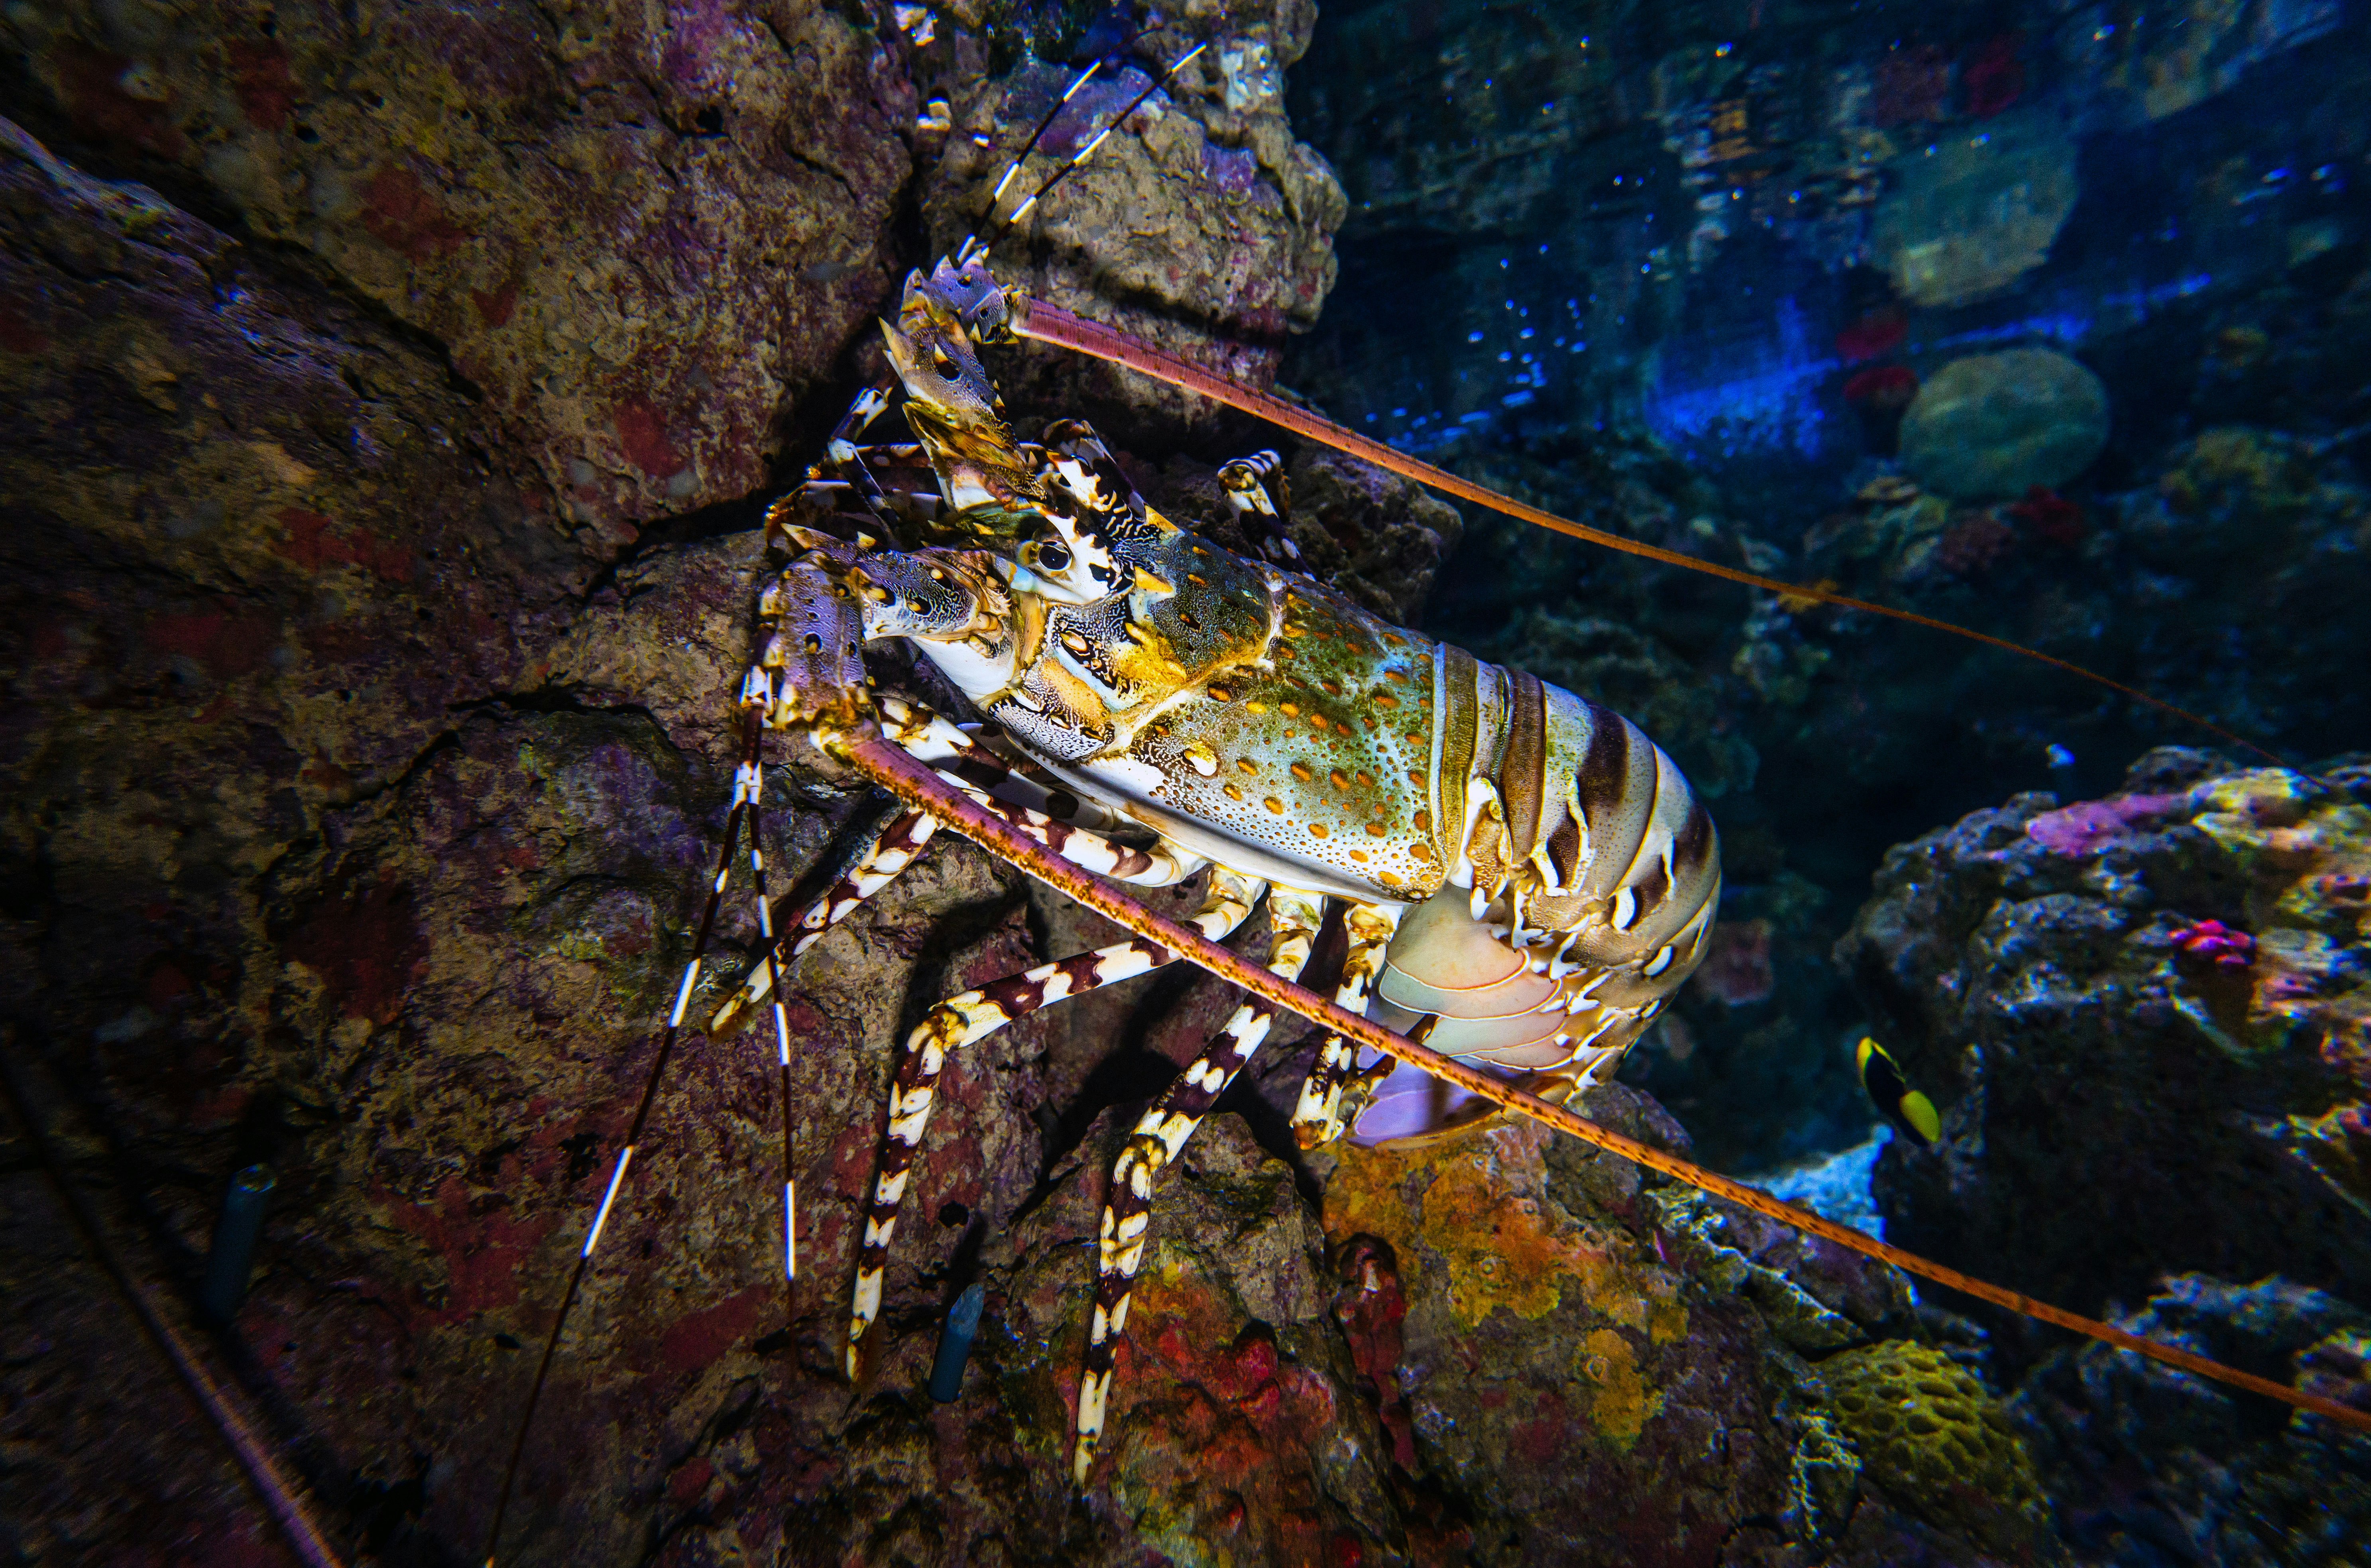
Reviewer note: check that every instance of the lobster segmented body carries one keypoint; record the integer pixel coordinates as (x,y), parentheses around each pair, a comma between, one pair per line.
(1526,876)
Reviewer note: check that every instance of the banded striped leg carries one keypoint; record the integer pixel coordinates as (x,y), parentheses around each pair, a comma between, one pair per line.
(1262,500)
(1294,917)
(962,757)
(755,788)
(964,1019)
(893,845)
(963,762)
(1319,1117)
(1159,865)
(844,458)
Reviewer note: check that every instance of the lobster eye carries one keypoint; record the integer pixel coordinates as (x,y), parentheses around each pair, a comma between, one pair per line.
(1053,556)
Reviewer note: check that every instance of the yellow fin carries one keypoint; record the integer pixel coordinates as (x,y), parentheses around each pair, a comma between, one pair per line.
(1919,1112)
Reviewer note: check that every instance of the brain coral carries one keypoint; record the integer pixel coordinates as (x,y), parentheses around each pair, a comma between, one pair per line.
(1929,1435)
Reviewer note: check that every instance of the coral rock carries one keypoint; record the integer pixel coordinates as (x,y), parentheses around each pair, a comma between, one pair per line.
(1968,222)
(2028,967)
(1931,1435)
(2222,1477)
(1998,424)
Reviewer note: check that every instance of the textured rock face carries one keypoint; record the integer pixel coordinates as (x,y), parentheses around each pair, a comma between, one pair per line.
(362,779)
(1576,1365)
(2143,1018)
(2115,1104)
(1206,231)
(259,557)
(2147,1463)
(637,234)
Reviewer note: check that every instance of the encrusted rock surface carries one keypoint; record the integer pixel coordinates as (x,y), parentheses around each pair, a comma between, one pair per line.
(636,235)
(2143,1019)
(1998,425)
(2114,1107)
(1968,222)
(2149,1464)
(1206,231)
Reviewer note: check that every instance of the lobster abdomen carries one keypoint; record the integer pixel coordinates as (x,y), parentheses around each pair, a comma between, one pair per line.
(1584,896)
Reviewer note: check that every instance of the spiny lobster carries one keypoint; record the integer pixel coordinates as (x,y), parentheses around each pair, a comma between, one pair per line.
(1526,877)
(1523,869)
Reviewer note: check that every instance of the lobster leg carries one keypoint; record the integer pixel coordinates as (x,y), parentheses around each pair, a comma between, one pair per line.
(1317,1119)
(1045,816)
(1167,1123)
(1262,503)
(991,780)
(845,459)
(958,754)
(967,1019)
(896,841)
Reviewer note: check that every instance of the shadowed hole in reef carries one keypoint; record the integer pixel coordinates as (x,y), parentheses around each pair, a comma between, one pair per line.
(386,1508)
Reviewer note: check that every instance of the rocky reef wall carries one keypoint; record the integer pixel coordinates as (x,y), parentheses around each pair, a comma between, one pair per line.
(396,392)
(2143,1019)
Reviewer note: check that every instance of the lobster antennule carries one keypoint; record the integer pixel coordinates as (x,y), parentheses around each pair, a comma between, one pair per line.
(868,752)
(973,246)
(1050,323)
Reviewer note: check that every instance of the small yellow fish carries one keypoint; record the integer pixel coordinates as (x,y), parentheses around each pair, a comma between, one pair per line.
(1902,1105)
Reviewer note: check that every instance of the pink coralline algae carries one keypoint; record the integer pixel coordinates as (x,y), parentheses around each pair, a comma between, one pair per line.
(2082,827)
(2214,942)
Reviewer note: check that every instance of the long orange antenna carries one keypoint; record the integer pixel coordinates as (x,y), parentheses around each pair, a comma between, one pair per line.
(891,768)
(1052,324)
